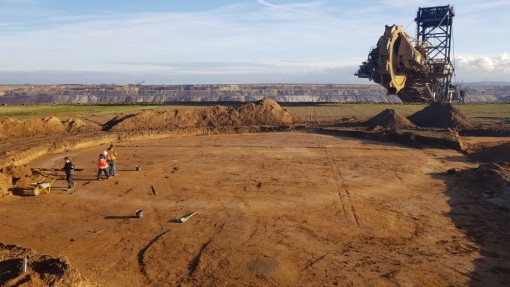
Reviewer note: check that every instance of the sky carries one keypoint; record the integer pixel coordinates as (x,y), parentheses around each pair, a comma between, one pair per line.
(208,42)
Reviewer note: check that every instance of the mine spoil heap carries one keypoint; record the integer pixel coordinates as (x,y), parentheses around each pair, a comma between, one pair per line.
(265,112)
(441,115)
(389,119)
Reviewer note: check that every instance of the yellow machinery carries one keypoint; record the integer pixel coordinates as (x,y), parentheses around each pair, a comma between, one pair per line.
(416,70)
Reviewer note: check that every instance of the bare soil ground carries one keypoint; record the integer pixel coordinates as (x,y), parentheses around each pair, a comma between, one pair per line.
(292,208)
(275,209)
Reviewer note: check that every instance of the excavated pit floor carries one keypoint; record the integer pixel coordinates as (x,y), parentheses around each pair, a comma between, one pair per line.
(274,209)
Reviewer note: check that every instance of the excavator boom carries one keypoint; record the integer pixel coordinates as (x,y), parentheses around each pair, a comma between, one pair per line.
(410,68)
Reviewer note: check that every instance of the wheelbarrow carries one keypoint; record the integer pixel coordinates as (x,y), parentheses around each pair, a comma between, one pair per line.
(42,187)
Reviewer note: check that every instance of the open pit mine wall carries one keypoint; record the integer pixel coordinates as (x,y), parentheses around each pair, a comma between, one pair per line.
(90,94)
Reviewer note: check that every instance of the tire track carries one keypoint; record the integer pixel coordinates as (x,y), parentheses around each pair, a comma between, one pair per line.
(193,265)
(195,262)
(141,254)
(344,196)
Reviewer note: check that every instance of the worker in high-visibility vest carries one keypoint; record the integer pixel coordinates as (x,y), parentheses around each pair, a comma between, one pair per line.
(111,158)
(102,166)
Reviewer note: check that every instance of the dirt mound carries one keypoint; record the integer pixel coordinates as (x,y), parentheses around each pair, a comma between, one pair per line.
(265,112)
(496,181)
(79,126)
(42,270)
(19,179)
(441,115)
(12,128)
(9,127)
(48,125)
(498,153)
(389,119)
(18,171)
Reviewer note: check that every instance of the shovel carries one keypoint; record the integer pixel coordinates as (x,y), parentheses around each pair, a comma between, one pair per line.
(185,217)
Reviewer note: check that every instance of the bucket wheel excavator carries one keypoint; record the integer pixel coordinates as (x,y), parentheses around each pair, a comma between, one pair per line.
(416,70)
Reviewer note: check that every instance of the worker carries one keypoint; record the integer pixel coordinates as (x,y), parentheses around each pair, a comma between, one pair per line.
(102,166)
(111,157)
(69,170)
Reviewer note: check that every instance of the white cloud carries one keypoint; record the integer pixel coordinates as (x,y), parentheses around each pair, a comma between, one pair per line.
(499,63)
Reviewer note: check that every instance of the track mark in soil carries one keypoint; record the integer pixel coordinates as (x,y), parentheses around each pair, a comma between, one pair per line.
(347,205)
(355,215)
(398,176)
(343,206)
(254,231)
(313,262)
(335,176)
(196,260)
(129,190)
(352,207)
(142,251)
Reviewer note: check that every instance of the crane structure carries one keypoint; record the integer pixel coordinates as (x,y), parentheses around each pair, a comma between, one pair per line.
(416,70)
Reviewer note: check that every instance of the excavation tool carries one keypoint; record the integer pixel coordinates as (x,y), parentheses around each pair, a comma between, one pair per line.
(185,217)
(42,186)
(416,70)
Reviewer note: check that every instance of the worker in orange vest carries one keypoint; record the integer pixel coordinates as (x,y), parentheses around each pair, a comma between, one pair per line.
(102,166)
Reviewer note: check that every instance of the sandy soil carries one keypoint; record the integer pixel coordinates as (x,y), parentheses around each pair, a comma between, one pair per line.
(275,209)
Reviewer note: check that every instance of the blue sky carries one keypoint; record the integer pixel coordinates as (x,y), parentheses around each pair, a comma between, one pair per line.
(259,41)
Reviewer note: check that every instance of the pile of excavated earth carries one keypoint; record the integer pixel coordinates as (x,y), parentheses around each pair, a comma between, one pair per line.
(389,119)
(498,153)
(41,270)
(262,113)
(441,115)
(17,177)
(12,128)
(265,112)
(494,172)
(438,115)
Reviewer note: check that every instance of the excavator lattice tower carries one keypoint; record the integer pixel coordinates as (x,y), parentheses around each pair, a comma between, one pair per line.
(416,70)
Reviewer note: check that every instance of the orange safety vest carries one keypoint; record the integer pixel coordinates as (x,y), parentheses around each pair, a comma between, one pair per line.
(111,155)
(101,163)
